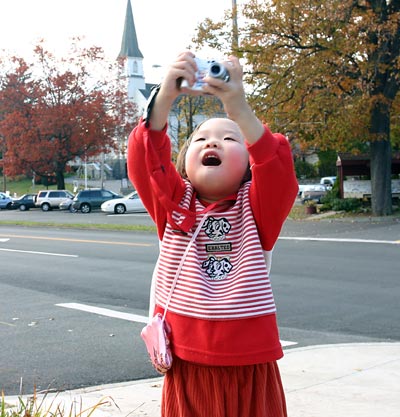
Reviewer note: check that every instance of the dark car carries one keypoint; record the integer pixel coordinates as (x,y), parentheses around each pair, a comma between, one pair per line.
(88,200)
(25,202)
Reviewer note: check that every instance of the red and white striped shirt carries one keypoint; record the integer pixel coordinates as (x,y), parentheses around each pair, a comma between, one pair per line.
(222,310)
(224,275)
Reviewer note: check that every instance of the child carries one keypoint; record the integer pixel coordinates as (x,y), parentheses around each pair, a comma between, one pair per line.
(224,334)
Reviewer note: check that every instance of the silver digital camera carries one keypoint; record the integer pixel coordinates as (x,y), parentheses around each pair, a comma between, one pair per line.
(206,67)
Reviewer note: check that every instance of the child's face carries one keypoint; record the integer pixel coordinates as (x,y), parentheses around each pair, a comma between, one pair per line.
(216,159)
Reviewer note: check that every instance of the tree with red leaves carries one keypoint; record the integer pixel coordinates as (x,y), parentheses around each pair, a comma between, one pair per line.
(53,111)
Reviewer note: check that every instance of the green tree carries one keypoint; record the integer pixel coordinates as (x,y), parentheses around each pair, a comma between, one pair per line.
(328,71)
(327,163)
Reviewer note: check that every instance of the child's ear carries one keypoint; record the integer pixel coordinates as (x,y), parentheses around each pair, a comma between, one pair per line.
(247,174)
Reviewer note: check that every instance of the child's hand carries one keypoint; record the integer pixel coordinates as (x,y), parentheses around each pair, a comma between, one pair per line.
(233,97)
(184,67)
(231,93)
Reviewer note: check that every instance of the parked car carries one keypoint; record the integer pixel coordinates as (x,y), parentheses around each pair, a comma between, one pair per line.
(131,204)
(25,202)
(5,201)
(313,192)
(88,200)
(50,199)
(328,182)
(67,205)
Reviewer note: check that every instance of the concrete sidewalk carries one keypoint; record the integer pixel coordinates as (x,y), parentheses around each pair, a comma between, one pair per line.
(348,380)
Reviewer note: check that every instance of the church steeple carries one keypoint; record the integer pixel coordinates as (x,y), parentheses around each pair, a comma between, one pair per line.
(129,45)
(130,52)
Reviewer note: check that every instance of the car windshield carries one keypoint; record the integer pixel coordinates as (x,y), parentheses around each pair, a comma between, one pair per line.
(133,196)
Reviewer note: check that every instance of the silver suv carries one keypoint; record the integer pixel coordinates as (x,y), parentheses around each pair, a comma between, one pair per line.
(5,201)
(49,199)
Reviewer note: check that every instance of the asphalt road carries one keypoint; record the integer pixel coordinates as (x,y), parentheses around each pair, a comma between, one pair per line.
(340,284)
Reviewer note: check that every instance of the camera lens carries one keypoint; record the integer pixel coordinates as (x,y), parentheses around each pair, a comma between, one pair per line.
(216,70)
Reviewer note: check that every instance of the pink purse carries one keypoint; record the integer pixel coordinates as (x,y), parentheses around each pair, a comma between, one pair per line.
(156,333)
(155,336)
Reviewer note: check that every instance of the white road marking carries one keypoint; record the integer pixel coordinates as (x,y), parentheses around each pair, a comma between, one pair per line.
(80,240)
(328,239)
(39,253)
(7,324)
(4,240)
(129,215)
(125,316)
(105,312)
(285,343)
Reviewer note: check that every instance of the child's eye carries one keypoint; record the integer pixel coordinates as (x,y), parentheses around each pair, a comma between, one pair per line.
(199,139)
(228,138)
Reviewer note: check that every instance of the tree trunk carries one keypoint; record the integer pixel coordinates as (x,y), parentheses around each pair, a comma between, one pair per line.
(381,161)
(4,181)
(60,180)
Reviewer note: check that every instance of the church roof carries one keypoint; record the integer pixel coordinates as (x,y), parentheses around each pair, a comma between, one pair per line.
(146,92)
(129,45)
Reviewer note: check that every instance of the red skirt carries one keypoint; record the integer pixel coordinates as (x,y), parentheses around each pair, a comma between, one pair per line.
(192,390)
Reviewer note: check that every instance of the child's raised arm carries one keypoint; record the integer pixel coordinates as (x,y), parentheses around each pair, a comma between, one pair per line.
(184,67)
(233,97)
(231,94)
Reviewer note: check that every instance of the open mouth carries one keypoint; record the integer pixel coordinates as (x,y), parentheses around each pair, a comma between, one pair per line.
(211,160)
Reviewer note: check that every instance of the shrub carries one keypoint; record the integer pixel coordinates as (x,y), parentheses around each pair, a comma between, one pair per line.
(328,199)
(331,201)
(304,169)
(346,204)
(341,204)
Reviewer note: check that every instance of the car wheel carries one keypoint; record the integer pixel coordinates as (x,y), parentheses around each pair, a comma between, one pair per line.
(22,207)
(45,206)
(8,206)
(119,209)
(72,209)
(85,208)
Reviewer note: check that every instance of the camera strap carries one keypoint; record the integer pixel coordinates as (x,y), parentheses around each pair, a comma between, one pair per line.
(150,104)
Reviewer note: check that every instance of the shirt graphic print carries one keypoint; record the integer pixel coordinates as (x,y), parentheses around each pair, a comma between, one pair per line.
(224,274)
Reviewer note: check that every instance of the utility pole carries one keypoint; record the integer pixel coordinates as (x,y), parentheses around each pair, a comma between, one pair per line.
(235,33)
(102,170)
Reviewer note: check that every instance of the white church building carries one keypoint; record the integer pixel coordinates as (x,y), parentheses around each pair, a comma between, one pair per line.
(138,90)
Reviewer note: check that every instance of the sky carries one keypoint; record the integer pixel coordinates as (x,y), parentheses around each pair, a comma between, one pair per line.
(163,27)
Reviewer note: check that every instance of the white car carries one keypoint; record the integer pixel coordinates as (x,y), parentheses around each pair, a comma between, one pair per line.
(312,192)
(329,182)
(131,204)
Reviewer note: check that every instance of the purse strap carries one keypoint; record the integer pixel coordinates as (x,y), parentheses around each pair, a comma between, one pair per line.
(178,271)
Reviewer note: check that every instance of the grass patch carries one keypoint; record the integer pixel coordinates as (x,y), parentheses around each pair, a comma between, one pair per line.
(298,212)
(44,406)
(87,226)
(24,186)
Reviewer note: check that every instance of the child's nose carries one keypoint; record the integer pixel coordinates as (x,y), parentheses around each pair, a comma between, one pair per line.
(212,143)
